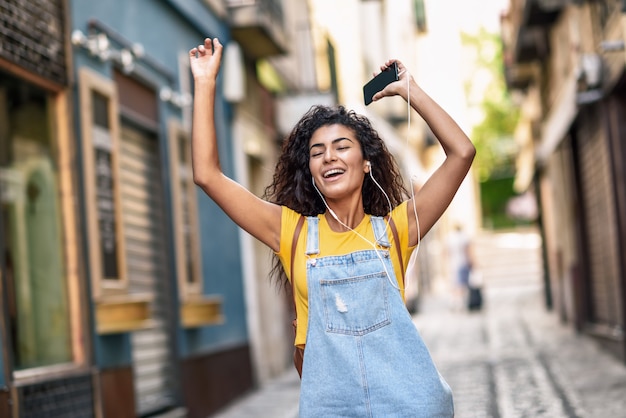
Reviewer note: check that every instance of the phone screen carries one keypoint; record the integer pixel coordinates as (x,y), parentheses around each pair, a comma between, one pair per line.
(379,82)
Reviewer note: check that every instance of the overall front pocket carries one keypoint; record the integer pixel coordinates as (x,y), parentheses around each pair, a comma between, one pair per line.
(355,305)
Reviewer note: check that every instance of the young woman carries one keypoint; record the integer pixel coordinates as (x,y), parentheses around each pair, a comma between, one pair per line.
(363,357)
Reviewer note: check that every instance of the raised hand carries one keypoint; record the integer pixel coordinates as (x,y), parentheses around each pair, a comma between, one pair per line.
(205,59)
(398,87)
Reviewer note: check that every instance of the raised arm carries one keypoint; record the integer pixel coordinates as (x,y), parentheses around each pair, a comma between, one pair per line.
(258,217)
(433,197)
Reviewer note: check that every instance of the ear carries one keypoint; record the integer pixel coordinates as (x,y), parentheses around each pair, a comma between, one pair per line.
(368,166)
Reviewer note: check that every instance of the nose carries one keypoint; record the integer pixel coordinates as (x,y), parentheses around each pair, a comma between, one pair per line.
(329,155)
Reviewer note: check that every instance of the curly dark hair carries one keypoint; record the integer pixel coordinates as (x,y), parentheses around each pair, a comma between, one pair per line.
(292,187)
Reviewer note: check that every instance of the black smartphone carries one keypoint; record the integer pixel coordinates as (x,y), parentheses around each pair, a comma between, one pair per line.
(379,82)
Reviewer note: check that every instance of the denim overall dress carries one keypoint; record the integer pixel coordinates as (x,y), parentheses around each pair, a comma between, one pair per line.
(364,357)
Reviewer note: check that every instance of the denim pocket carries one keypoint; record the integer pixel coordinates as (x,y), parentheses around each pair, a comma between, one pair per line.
(355,305)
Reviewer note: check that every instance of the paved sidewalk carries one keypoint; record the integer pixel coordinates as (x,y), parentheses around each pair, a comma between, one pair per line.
(277,399)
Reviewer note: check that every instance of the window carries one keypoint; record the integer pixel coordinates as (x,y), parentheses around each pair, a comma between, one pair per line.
(116,309)
(185,216)
(100,135)
(31,210)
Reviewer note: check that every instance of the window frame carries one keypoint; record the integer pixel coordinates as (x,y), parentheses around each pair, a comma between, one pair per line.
(90,82)
(63,149)
(178,173)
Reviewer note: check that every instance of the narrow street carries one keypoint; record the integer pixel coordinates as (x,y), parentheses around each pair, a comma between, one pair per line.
(510,359)
(513,358)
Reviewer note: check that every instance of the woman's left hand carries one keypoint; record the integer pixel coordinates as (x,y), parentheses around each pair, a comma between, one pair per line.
(397,88)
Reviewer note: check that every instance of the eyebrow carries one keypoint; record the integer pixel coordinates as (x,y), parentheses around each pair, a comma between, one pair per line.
(319,144)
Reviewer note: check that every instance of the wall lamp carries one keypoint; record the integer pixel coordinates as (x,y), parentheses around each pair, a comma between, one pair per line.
(180,100)
(99,45)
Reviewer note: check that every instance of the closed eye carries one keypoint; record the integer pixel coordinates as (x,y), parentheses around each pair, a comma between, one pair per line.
(341,144)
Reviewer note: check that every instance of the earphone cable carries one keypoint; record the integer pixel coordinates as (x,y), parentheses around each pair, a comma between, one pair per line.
(408,130)
(334,215)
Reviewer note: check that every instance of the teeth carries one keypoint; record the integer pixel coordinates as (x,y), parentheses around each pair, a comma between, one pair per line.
(333,171)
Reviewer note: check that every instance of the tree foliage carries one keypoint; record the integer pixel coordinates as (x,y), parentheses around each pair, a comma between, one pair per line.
(485,88)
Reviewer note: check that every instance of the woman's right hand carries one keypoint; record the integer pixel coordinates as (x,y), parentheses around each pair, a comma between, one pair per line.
(205,60)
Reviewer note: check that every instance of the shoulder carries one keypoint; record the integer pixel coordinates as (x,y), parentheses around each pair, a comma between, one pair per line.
(288,222)
(289,216)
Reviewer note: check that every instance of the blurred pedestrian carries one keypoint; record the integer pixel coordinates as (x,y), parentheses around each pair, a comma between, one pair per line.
(336,180)
(475,289)
(458,247)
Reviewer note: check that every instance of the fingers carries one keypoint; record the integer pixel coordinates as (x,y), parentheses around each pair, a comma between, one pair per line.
(401,67)
(388,64)
(210,46)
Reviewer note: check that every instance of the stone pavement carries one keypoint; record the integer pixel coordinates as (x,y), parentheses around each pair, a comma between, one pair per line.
(511,359)
(276,399)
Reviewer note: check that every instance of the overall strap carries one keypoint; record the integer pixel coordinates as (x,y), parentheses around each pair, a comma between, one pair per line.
(380,231)
(312,239)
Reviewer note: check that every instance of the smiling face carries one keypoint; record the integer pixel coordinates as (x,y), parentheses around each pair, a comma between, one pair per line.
(336,161)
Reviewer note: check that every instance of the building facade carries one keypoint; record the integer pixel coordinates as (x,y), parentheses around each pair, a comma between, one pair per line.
(567,59)
(275,85)
(37,209)
(122,284)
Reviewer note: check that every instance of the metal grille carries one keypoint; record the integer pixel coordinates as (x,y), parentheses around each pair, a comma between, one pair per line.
(600,221)
(62,398)
(31,36)
(146,255)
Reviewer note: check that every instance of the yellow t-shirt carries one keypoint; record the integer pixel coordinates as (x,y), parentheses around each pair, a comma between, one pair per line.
(335,243)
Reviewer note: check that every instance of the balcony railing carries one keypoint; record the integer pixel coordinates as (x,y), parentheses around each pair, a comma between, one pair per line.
(525,36)
(258,26)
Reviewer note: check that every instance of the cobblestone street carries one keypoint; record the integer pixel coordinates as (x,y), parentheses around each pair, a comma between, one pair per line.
(512,359)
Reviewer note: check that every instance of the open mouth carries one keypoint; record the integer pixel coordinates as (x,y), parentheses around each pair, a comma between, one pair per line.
(333,173)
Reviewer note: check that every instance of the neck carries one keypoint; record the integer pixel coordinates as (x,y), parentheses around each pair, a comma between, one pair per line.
(348,218)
